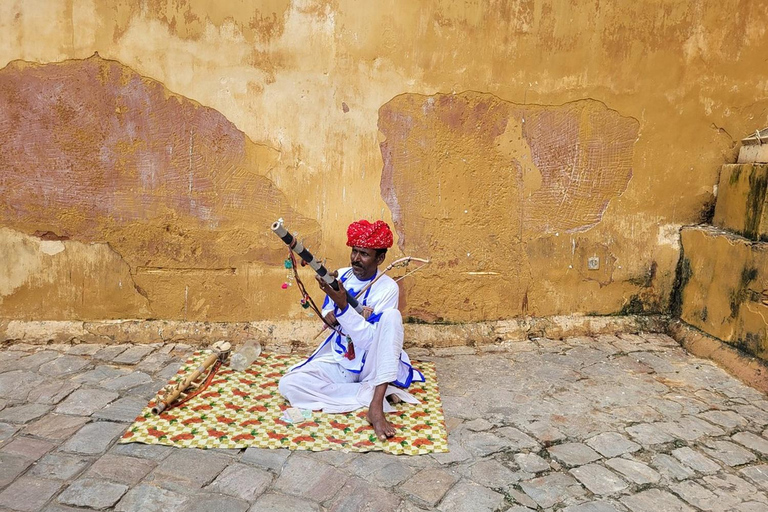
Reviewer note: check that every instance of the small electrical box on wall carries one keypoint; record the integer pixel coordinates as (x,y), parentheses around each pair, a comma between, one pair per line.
(593,263)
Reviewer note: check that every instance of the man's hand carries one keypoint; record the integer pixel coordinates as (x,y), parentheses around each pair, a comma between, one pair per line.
(331,318)
(339,297)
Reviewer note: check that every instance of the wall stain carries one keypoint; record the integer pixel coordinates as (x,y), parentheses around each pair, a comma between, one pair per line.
(94,152)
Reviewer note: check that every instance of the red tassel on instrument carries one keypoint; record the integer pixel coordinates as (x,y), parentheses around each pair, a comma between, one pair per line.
(350,353)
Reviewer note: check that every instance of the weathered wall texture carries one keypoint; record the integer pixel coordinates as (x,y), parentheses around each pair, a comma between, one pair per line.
(724,269)
(510,141)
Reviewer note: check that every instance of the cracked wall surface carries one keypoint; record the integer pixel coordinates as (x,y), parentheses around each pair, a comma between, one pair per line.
(606,124)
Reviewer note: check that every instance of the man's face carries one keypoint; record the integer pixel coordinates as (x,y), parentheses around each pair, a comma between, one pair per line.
(364,262)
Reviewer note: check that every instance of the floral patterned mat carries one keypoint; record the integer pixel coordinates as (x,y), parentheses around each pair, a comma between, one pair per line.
(245,409)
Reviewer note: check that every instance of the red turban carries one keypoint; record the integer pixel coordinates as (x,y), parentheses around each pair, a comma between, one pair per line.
(371,236)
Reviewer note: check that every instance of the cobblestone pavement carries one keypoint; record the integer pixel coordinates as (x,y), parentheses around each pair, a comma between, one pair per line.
(611,423)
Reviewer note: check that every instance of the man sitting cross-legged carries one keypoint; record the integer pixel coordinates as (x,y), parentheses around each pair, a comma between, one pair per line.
(365,362)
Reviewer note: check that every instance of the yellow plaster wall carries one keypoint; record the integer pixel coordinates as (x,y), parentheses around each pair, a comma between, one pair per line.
(308,82)
(725,292)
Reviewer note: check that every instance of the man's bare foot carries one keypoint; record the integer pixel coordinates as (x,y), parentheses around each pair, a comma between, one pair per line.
(375,416)
(381,426)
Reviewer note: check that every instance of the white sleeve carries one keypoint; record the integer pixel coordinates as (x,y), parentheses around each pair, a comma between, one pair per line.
(358,328)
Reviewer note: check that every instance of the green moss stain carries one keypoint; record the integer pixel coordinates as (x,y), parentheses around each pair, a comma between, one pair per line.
(735,173)
(683,274)
(635,306)
(742,292)
(758,181)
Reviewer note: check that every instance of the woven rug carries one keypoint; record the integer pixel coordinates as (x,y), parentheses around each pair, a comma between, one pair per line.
(245,409)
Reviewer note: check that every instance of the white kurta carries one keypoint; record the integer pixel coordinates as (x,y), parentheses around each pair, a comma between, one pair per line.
(331,382)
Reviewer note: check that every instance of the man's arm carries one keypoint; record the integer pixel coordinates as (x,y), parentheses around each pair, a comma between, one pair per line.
(355,325)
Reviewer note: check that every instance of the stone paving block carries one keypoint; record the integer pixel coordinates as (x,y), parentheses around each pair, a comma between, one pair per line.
(52,393)
(552,489)
(752,441)
(690,428)
(63,365)
(28,447)
(191,467)
(655,500)
(634,470)
(726,419)
(453,351)
(307,478)
(523,499)
(6,431)
(573,454)
(336,458)
(100,373)
(270,459)
(392,474)
(482,444)
(751,506)
(22,347)
(214,503)
(428,486)
(34,361)
(120,469)
(124,410)
(671,467)
(94,438)
(148,498)
(29,493)
(368,463)
(55,427)
(155,452)
(59,466)
(726,485)
(154,362)
(531,462)
(612,444)
(470,496)
(518,440)
(11,466)
(16,385)
(282,503)
(492,474)
(84,349)
(592,506)
(85,402)
(241,481)
(110,352)
(696,460)
(544,432)
(757,416)
(598,479)
(757,474)
(701,497)
(649,434)
(478,425)
(455,453)
(728,453)
(88,492)
(21,414)
(358,494)
(133,355)
(128,381)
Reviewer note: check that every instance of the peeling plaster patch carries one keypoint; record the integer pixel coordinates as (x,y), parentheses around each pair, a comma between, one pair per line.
(541,169)
(92,149)
(669,234)
(19,254)
(51,248)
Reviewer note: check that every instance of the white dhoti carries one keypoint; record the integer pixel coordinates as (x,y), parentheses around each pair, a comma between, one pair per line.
(322,383)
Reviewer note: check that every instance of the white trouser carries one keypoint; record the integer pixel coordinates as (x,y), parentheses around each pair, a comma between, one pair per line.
(323,384)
